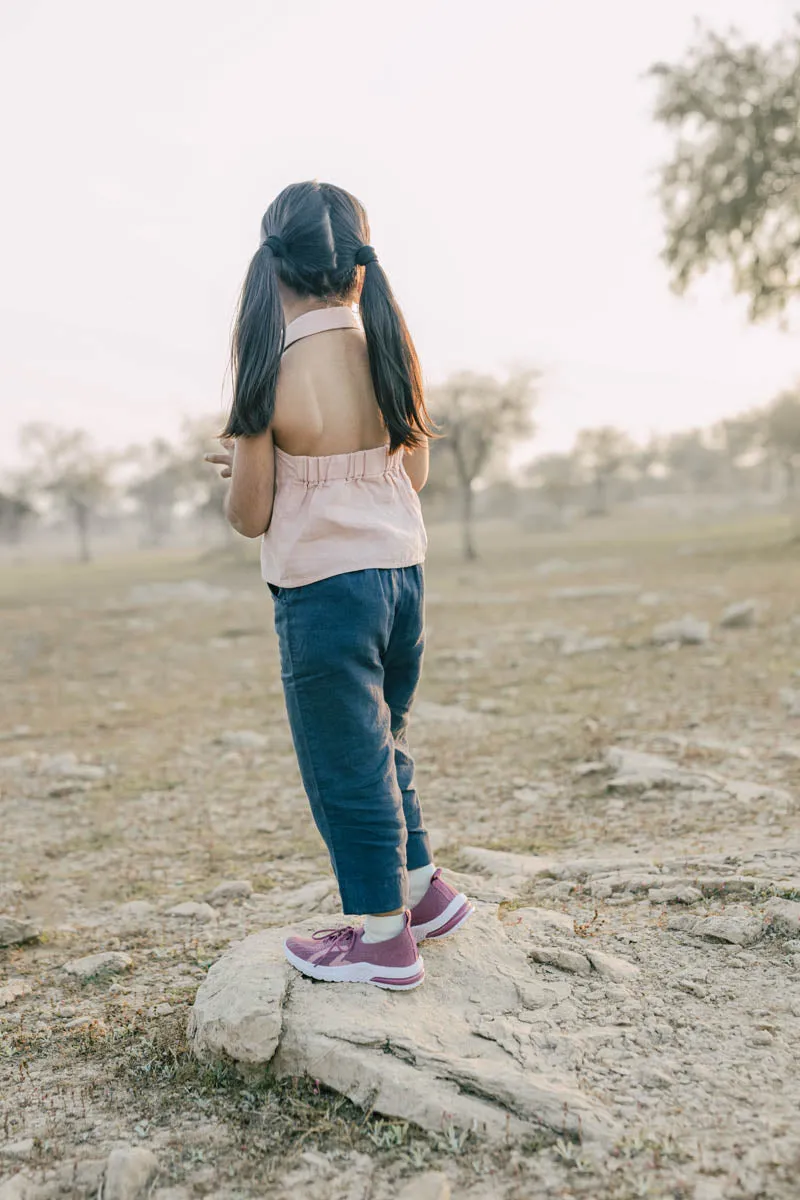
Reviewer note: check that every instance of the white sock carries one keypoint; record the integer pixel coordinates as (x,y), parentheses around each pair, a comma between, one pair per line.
(381,929)
(419,881)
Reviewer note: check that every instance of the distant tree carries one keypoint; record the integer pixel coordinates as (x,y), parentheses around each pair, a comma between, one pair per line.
(482,417)
(729,193)
(65,466)
(691,459)
(555,475)
(157,486)
(602,454)
(15,513)
(782,436)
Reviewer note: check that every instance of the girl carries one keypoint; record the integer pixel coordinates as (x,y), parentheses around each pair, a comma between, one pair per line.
(326,448)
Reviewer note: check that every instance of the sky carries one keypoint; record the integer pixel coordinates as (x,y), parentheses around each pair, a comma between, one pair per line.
(506,154)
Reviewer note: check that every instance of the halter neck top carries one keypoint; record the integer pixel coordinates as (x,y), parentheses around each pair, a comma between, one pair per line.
(336,513)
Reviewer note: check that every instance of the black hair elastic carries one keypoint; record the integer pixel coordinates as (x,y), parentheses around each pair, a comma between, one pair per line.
(364,255)
(276,245)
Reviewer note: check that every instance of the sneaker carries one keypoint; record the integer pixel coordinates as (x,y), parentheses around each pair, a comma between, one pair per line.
(441,911)
(342,956)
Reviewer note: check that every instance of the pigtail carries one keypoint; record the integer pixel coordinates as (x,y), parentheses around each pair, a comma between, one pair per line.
(256,348)
(393,362)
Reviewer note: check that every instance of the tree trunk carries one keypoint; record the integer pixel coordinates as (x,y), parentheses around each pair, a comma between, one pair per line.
(82,525)
(470,553)
(601,493)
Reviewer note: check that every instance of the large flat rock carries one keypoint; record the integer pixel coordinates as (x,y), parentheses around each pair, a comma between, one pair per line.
(457,1051)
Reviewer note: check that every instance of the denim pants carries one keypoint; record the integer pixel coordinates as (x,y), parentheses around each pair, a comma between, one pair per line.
(351,653)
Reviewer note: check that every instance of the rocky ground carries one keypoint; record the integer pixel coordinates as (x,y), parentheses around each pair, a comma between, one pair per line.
(609,753)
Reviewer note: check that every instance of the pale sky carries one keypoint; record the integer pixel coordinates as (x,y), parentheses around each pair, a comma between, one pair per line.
(506,154)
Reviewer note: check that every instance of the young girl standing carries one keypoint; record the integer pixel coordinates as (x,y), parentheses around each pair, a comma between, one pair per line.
(326,449)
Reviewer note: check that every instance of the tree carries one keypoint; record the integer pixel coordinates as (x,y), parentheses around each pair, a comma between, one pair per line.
(157,488)
(691,459)
(482,417)
(603,453)
(15,513)
(65,466)
(782,435)
(555,476)
(729,193)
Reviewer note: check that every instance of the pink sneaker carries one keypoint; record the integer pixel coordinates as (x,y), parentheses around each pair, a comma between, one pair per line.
(441,911)
(342,956)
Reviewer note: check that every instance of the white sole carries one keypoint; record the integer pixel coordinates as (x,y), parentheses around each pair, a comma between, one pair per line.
(393,979)
(428,929)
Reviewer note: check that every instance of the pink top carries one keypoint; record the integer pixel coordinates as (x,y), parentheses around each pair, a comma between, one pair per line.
(339,512)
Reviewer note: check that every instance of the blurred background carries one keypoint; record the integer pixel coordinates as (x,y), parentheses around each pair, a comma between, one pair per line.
(590,215)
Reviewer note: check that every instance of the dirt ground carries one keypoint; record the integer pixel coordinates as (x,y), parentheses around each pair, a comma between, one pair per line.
(146,758)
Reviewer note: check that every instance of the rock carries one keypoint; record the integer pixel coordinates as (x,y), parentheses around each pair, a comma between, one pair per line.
(738,929)
(162,1010)
(539,920)
(783,916)
(564,960)
(14,931)
(394,1052)
(21,1149)
(191,910)
(504,865)
(18,1187)
(95,966)
(739,616)
(243,739)
(790,698)
(587,645)
(13,989)
(761,1037)
(600,591)
(230,889)
(617,969)
(129,1173)
(682,894)
(637,771)
(311,897)
(687,631)
(433,1185)
(66,766)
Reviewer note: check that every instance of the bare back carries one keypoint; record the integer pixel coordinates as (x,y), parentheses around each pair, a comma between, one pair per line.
(325,402)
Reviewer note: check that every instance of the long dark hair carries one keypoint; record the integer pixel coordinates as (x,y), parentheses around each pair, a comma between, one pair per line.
(313,238)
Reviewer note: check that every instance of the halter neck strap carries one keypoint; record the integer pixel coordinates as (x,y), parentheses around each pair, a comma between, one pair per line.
(320,320)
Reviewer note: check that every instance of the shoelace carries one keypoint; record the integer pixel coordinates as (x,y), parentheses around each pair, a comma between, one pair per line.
(333,937)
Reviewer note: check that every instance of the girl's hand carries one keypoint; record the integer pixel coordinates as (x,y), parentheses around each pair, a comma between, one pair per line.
(224,460)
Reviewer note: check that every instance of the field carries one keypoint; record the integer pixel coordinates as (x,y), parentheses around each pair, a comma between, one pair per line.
(146,759)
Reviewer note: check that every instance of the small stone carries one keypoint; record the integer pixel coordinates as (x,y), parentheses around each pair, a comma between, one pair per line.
(609,967)
(13,931)
(21,1149)
(433,1185)
(191,910)
(66,766)
(739,616)
(783,916)
(243,739)
(687,631)
(761,1037)
(564,960)
(162,1010)
(587,645)
(129,1173)
(230,889)
(731,927)
(790,698)
(13,989)
(674,895)
(84,1022)
(96,966)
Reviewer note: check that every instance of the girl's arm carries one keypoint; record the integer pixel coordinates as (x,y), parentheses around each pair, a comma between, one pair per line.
(248,505)
(416,465)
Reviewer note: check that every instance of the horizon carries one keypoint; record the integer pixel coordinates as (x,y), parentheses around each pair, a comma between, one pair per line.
(146,166)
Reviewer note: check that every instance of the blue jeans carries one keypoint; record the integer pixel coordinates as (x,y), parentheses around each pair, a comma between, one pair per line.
(351,654)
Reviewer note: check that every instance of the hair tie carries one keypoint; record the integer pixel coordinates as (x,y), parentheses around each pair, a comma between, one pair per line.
(364,255)
(276,245)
